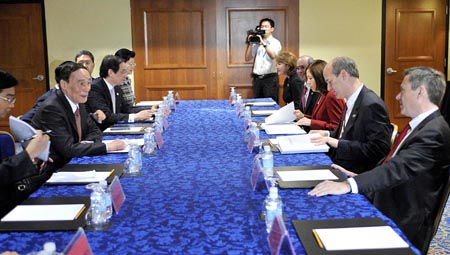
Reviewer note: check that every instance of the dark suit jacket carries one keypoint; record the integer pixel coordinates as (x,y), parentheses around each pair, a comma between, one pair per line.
(28,116)
(292,90)
(327,113)
(100,99)
(310,102)
(56,114)
(13,169)
(366,137)
(409,186)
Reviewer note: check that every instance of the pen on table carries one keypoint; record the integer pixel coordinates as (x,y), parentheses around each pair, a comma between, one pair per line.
(112,171)
(80,212)
(46,132)
(316,236)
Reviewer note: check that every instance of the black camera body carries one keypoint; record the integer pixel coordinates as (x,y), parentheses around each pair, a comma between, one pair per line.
(253,34)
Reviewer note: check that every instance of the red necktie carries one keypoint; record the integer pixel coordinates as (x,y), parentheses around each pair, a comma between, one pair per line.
(303,98)
(397,142)
(78,121)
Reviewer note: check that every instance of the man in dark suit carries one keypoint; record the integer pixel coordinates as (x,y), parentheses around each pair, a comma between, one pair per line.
(308,95)
(362,137)
(74,133)
(21,166)
(409,185)
(107,96)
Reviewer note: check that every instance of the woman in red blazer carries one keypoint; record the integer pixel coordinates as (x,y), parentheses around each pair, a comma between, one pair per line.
(328,109)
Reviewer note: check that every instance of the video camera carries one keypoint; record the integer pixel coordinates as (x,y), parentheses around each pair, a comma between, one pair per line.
(253,34)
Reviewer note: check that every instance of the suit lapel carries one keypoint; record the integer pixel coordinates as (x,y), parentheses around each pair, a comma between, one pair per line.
(107,93)
(355,111)
(68,110)
(422,124)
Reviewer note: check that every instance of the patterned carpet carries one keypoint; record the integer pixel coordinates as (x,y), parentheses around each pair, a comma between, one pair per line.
(441,243)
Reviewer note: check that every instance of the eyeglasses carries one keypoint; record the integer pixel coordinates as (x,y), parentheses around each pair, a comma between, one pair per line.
(9,100)
(300,67)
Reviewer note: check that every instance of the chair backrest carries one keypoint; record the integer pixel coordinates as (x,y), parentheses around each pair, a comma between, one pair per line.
(394,131)
(440,212)
(7,144)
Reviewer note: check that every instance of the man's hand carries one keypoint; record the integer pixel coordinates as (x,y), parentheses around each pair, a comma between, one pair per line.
(330,188)
(143,115)
(116,145)
(99,116)
(343,170)
(321,137)
(37,144)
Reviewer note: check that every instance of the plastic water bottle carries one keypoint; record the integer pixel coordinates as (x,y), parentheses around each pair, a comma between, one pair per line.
(273,206)
(267,161)
(149,142)
(134,161)
(239,105)
(233,96)
(171,100)
(107,198)
(97,216)
(49,248)
(247,116)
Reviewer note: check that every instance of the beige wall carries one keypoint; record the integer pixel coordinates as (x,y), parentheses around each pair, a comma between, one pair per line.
(328,28)
(100,26)
(344,28)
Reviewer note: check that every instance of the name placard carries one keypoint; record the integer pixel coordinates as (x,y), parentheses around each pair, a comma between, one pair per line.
(255,173)
(159,139)
(117,194)
(279,239)
(251,142)
(78,244)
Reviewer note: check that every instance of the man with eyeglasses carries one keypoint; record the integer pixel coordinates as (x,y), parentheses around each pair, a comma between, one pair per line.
(21,166)
(106,95)
(309,97)
(265,78)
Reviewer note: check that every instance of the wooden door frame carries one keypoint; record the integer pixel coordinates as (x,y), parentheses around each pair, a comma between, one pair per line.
(44,32)
(383,47)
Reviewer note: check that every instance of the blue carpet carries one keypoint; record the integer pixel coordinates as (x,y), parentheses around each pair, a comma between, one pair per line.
(441,243)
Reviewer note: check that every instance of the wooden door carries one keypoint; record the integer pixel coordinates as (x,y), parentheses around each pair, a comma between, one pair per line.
(174,43)
(415,33)
(197,47)
(234,19)
(22,53)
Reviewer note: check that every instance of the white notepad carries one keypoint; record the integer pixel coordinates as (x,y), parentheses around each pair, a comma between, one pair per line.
(44,212)
(360,238)
(307,175)
(79,177)
(148,103)
(138,142)
(299,144)
(283,129)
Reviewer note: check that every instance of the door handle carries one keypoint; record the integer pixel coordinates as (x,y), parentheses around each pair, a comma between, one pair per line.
(390,70)
(39,77)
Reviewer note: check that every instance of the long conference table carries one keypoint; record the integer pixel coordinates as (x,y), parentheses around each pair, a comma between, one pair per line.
(195,196)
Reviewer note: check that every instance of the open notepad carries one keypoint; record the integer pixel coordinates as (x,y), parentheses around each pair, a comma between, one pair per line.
(299,144)
(42,212)
(283,129)
(138,142)
(23,132)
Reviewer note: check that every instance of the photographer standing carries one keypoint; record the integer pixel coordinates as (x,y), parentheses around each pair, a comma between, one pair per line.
(263,47)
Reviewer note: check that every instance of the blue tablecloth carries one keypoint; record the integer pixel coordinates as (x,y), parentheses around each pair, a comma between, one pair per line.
(194,197)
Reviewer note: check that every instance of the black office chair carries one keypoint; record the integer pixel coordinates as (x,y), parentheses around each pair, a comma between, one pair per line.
(437,219)
(7,145)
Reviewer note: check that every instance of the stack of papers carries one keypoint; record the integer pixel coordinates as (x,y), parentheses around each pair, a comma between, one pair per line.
(283,115)
(260,103)
(78,177)
(124,130)
(148,103)
(41,212)
(299,144)
(283,129)
(22,132)
(309,175)
(360,238)
(138,142)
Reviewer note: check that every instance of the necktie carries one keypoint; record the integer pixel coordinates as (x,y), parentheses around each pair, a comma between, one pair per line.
(305,89)
(113,99)
(342,125)
(397,142)
(78,121)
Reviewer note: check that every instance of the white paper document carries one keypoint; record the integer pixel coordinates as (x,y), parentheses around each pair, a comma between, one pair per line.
(79,177)
(299,144)
(283,129)
(148,103)
(22,131)
(263,112)
(260,103)
(138,142)
(129,130)
(360,238)
(44,212)
(283,115)
(307,175)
